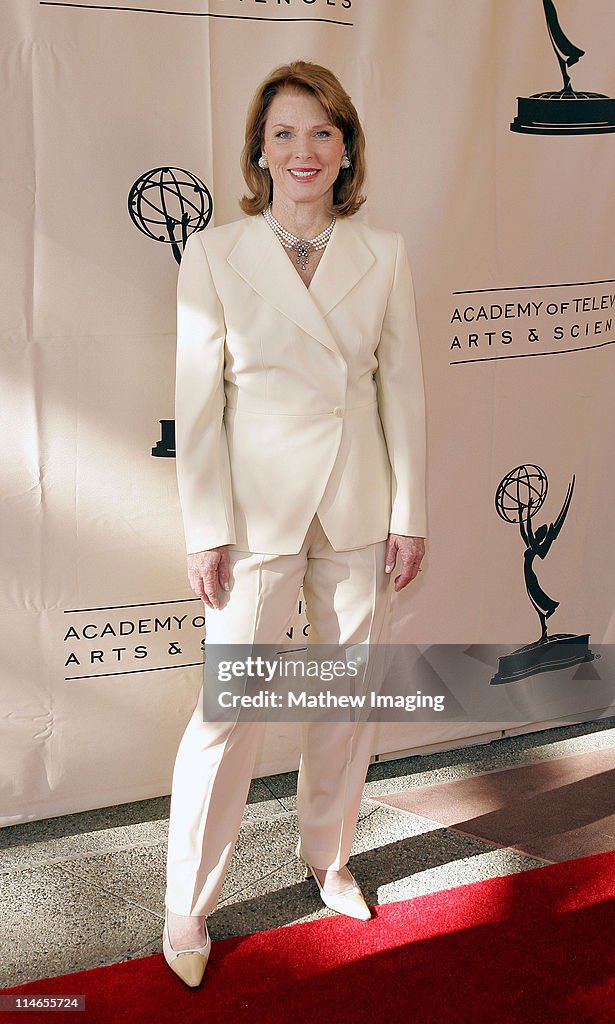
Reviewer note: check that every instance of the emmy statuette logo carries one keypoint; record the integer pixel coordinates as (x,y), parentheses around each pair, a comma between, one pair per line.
(565,111)
(519,496)
(168,204)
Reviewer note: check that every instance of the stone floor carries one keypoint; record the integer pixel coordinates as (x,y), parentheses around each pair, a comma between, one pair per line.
(87,889)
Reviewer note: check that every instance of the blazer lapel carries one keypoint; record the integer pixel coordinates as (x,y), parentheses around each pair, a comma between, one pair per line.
(344,262)
(259,258)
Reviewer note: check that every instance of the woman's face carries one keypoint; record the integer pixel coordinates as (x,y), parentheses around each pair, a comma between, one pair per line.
(304,150)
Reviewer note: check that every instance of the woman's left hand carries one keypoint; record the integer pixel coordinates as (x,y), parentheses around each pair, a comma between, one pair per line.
(411,551)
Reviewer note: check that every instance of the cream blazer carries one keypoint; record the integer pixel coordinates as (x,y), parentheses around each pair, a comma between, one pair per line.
(293,400)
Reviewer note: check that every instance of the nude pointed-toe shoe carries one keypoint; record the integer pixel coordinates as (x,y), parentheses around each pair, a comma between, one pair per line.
(188,964)
(351,902)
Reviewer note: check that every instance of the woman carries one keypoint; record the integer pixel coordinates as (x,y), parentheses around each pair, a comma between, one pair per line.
(300,460)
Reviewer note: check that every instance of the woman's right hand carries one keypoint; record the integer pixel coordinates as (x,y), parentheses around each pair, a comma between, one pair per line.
(205,570)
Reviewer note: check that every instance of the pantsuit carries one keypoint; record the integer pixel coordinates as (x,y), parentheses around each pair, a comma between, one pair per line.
(347,596)
(301,445)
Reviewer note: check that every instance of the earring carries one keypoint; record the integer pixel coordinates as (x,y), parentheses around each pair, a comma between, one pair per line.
(345,164)
(263,162)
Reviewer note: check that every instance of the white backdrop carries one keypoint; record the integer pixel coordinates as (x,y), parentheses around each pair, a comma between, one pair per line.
(102,638)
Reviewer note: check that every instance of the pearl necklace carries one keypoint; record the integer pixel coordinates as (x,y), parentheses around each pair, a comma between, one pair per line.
(302,247)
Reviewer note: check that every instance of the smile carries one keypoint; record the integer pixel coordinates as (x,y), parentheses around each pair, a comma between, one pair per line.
(303,175)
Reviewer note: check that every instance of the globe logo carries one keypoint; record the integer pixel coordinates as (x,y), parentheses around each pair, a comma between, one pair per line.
(168,204)
(524,488)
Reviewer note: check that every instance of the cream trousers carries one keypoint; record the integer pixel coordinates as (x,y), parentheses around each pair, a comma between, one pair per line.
(347,597)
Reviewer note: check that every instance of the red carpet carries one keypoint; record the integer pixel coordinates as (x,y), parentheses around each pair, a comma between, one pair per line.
(531,948)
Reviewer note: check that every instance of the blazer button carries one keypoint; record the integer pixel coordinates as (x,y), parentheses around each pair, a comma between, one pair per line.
(338,411)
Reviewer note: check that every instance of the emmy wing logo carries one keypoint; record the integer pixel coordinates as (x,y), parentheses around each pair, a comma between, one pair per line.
(520,495)
(168,204)
(565,111)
